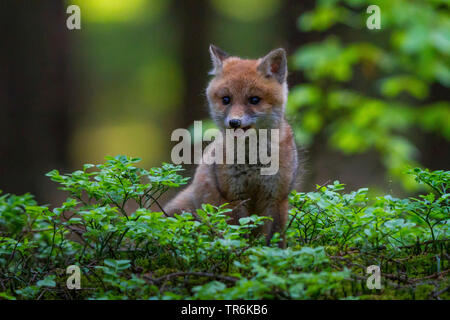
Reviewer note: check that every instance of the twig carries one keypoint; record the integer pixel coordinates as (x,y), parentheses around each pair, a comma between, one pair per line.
(301,206)
(438,293)
(192,273)
(157,203)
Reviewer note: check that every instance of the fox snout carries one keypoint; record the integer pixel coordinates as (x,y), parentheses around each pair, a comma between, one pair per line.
(235,122)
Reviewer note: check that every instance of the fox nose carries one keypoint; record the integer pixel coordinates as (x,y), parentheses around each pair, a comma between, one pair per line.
(235,123)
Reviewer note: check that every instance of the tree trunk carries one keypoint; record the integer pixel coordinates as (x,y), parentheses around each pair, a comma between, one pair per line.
(35,95)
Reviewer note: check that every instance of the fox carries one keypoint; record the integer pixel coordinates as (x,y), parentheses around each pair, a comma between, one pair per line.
(244,94)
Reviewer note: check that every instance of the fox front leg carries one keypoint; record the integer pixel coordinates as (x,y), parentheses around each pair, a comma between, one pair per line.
(279,213)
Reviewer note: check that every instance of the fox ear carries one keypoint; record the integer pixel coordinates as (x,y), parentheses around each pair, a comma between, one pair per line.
(274,64)
(217,57)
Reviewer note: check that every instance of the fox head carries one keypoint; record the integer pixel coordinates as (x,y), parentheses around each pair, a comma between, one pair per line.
(247,93)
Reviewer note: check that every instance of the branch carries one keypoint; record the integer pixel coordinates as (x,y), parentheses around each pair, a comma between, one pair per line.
(198,274)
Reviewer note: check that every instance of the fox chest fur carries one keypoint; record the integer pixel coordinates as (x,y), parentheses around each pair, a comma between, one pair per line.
(245,182)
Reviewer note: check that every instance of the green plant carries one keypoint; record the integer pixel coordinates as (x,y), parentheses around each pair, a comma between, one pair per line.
(125,250)
(368,89)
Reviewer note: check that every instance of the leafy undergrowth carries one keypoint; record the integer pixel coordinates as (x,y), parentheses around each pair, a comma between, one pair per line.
(125,253)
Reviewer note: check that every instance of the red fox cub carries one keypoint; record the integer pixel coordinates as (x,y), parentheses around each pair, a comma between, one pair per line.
(246,94)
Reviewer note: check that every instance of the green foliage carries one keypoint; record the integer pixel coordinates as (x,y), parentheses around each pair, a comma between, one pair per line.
(328,217)
(125,250)
(370,94)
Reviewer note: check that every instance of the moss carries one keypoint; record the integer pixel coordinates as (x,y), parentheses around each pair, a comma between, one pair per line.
(424,291)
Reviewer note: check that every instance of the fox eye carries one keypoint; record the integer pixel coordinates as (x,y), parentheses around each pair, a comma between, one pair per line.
(226,100)
(254,100)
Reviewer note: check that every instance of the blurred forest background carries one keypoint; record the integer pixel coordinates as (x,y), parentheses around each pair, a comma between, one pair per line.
(364,103)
